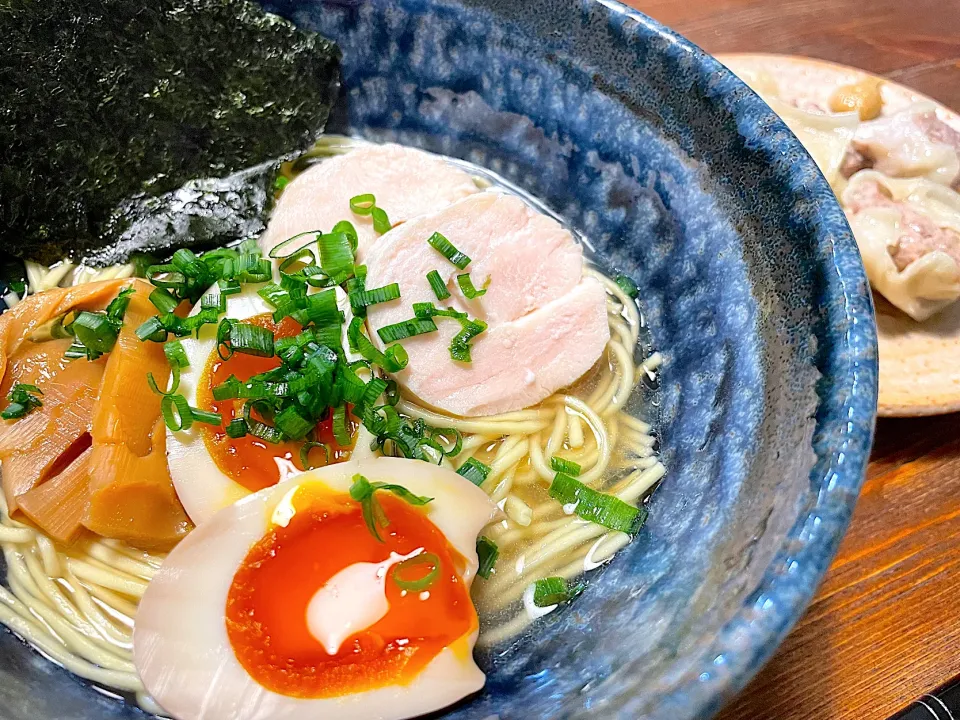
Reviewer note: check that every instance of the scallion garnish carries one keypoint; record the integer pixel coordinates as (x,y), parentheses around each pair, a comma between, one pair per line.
(206,417)
(554,591)
(95,333)
(467,288)
(336,256)
(292,424)
(628,286)
(162,300)
(305,451)
(487,554)
(375,296)
(251,339)
(346,227)
(437,284)
(22,401)
(363,204)
(443,246)
(474,471)
(381,223)
(406,329)
(237,428)
(362,490)
(567,467)
(341,433)
(460,345)
(176,412)
(418,573)
(213,301)
(176,355)
(607,510)
(174,381)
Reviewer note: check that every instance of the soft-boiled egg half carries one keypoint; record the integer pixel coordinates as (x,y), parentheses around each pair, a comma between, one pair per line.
(211,470)
(301,601)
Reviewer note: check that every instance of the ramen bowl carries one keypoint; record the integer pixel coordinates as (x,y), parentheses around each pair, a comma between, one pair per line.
(751,288)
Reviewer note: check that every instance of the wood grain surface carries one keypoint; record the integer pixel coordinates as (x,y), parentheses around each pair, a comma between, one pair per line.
(884,627)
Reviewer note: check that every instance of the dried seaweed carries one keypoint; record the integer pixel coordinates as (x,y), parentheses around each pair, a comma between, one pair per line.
(129,125)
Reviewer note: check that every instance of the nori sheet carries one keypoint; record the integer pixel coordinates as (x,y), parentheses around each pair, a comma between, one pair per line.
(109,107)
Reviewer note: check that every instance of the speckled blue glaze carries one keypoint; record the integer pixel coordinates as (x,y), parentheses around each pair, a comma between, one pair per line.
(752,288)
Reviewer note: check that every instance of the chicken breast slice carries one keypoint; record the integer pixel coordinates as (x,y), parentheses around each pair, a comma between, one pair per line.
(547,322)
(406,182)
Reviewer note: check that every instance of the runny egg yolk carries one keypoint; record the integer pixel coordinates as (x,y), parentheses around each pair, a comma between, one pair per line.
(268,605)
(254,463)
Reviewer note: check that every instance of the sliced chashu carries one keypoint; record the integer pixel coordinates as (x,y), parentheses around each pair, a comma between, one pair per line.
(406,182)
(547,322)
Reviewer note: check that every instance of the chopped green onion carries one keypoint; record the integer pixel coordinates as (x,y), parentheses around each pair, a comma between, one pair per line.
(251,340)
(340,431)
(162,300)
(444,433)
(363,204)
(223,336)
(118,306)
(406,329)
(372,391)
(487,554)
(95,332)
(152,329)
(443,246)
(305,450)
(228,286)
(381,223)
(174,381)
(336,256)
(22,401)
(176,355)
(292,424)
(474,471)
(205,417)
(628,286)
(396,358)
(283,250)
(346,227)
(467,288)
(460,345)
(267,433)
(176,412)
(280,183)
(237,428)
(414,567)
(365,298)
(607,510)
(567,467)
(554,590)
(214,302)
(362,490)
(437,284)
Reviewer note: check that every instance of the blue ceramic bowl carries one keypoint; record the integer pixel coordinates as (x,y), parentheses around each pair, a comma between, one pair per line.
(753,291)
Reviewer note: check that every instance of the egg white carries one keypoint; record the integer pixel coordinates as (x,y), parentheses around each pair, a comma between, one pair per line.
(203,488)
(181,648)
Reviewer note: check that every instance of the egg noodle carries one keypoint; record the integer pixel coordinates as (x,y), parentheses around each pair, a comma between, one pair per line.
(77,605)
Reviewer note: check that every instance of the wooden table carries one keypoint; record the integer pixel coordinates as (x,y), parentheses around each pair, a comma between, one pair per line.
(885,626)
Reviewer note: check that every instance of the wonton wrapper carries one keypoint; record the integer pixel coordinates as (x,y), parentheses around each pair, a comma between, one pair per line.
(929,283)
(905,149)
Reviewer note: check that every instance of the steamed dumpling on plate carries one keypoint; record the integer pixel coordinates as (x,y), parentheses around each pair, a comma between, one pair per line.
(908,231)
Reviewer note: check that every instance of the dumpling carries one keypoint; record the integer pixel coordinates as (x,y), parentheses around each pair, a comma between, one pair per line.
(826,137)
(908,231)
(912,143)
